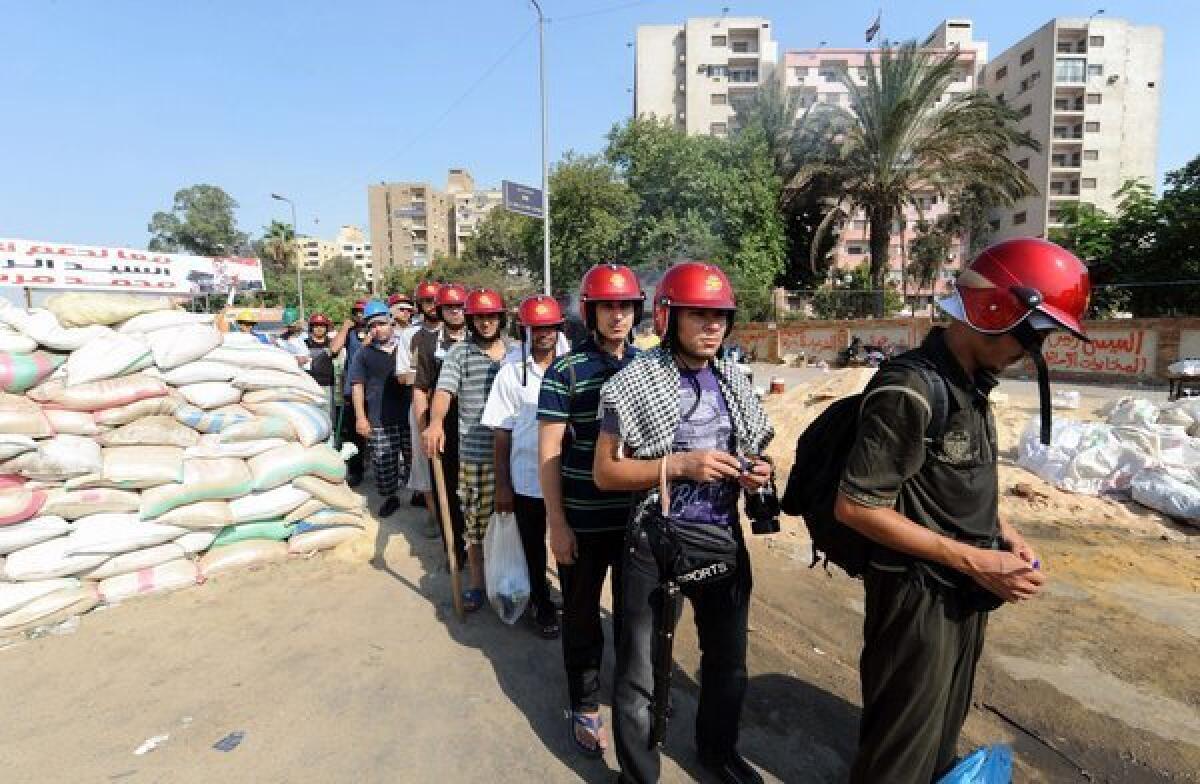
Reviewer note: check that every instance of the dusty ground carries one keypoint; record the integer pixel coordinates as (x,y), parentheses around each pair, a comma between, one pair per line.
(337,672)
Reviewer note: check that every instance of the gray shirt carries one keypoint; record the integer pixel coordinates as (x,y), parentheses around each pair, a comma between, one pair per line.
(468,373)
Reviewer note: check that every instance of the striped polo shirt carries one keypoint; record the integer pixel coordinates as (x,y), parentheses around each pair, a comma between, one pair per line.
(468,373)
(571,393)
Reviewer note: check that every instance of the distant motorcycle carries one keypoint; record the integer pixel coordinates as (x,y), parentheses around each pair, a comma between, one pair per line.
(858,355)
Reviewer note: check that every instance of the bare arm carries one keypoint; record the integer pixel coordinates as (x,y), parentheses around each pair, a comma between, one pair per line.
(434,439)
(612,472)
(359,399)
(339,340)
(562,538)
(501,452)
(420,405)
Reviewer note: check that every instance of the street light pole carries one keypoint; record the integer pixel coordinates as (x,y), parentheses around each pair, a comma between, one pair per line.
(299,282)
(545,136)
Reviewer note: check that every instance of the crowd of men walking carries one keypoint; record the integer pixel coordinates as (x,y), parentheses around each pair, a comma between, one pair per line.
(634,462)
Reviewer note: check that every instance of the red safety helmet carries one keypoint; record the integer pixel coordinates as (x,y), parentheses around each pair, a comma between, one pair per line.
(451,294)
(360,305)
(540,310)
(610,282)
(1018,280)
(692,284)
(483,302)
(427,290)
(319,320)
(397,299)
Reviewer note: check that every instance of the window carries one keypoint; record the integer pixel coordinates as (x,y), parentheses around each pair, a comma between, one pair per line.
(1023,164)
(1089,182)
(741,47)
(1096,40)
(1026,110)
(862,74)
(860,225)
(1091,155)
(1000,98)
(1094,98)
(719,40)
(854,250)
(1069,69)
(718,128)
(1019,218)
(1092,127)
(994,224)
(801,71)
(828,75)
(1027,57)
(1001,73)
(1095,70)
(1024,86)
(719,99)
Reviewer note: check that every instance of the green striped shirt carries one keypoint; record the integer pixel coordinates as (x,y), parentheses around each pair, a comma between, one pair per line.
(468,373)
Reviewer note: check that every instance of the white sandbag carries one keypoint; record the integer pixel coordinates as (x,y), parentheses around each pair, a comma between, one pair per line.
(204,479)
(1189,366)
(210,421)
(74,504)
(282,465)
(15,341)
(241,340)
(107,356)
(320,539)
(85,308)
(310,423)
(286,395)
(97,395)
(1165,492)
(20,416)
(40,529)
(169,576)
(52,608)
(338,517)
(212,446)
(1133,411)
(200,371)
(258,429)
(211,394)
(177,346)
(76,423)
(135,560)
(269,505)
(14,596)
(334,494)
(196,541)
(140,467)
(113,534)
(20,503)
(242,555)
(163,319)
(11,446)
(56,459)
(42,326)
(260,356)
(306,510)
(48,559)
(123,415)
(260,378)
(200,515)
(150,431)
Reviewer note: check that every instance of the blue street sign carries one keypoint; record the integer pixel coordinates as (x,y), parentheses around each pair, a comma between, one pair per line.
(522,199)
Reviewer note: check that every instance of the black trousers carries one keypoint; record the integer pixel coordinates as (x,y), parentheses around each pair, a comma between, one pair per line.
(531,522)
(582,634)
(406,435)
(457,521)
(721,610)
(354,466)
(921,644)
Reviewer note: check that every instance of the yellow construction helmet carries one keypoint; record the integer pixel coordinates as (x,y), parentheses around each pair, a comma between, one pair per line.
(247,317)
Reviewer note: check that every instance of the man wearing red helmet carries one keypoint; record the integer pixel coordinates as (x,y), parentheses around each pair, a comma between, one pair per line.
(321,354)
(468,372)
(426,321)
(587,525)
(401,308)
(682,427)
(926,497)
(511,412)
(429,348)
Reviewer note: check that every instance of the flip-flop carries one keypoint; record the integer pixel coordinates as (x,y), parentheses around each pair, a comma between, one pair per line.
(592,725)
(472,599)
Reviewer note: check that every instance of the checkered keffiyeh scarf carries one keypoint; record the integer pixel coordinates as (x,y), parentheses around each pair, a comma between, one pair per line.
(645,397)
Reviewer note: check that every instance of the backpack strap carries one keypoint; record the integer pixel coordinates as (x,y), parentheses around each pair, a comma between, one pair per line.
(939,395)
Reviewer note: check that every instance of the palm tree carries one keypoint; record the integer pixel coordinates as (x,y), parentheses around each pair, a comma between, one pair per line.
(279,244)
(900,139)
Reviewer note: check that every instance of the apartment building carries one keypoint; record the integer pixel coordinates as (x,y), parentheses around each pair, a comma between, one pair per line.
(313,252)
(696,74)
(471,204)
(1087,90)
(815,76)
(410,225)
(353,245)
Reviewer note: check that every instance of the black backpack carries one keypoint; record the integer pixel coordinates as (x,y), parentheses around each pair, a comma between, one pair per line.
(821,453)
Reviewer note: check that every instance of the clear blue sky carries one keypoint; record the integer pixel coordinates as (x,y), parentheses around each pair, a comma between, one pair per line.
(109,107)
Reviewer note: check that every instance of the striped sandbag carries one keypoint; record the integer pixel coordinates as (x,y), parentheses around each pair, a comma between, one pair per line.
(207,421)
(20,372)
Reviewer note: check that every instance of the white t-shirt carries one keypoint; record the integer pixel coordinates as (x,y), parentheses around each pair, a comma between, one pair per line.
(512,406)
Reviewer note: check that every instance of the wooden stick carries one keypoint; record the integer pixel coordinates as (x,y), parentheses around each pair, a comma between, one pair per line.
(443,511)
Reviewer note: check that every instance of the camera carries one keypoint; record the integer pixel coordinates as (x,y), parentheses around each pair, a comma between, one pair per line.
(762,507)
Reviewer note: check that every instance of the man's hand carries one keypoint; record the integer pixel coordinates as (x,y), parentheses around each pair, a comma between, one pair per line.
(433,440)
(703,465)
(758,475)
(302,360)
(1004,574)
(362,427)
(1015,543)
(562,541)
(504,498)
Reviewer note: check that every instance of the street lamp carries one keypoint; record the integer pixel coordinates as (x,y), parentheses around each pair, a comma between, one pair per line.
(299,282)
(545,167)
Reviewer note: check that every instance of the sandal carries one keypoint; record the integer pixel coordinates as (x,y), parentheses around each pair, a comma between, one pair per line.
(594,725)
(546,623)
(472,599)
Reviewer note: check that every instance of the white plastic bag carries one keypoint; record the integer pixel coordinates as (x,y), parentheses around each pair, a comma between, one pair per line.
(505,570)
(1164,492)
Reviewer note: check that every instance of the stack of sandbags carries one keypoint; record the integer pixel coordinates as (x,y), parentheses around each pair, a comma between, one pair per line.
(142,449)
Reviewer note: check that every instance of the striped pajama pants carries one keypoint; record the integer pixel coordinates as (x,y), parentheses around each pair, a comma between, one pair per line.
(387,458)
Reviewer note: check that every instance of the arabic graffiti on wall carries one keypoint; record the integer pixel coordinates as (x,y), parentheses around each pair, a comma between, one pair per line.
(887,338)
(817,343)
(1122,352)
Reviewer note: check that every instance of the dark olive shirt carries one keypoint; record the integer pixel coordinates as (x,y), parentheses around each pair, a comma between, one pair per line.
(949,486)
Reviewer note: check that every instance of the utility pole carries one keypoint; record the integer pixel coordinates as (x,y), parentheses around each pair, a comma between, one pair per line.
(299,282)
(545,136)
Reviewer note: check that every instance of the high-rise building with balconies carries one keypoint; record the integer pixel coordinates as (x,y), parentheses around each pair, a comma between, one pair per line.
(1087,89)
(410,225)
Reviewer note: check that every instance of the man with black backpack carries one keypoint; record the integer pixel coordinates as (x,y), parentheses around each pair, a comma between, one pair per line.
(919,501)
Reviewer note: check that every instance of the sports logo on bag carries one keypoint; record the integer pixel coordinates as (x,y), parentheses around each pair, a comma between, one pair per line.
(956,445)
(714,283)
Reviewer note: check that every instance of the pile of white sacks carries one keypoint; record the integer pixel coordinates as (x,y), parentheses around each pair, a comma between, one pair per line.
(142,450)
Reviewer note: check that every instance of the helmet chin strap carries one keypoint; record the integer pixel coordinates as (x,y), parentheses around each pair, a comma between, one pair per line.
(1031,340)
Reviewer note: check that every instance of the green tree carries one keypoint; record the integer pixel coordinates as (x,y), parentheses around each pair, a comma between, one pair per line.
(928,251)
(504,239)
(201,222)
(900,140)
(1176,247)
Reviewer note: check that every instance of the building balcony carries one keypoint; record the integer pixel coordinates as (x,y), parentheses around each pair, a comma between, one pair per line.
(1068,135)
